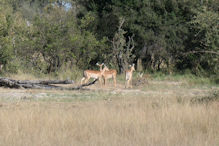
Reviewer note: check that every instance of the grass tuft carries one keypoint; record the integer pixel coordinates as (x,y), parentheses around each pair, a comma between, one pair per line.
(211,97)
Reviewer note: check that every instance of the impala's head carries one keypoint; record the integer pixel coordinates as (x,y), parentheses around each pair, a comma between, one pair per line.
(132,67)
(105,68)
(100,65)
(140,75)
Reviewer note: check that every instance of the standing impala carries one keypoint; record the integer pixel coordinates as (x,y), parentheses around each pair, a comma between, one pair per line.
(128,76)
(110,74)
(95,74)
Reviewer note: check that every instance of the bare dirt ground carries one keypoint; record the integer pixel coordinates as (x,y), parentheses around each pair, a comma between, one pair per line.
(150,89)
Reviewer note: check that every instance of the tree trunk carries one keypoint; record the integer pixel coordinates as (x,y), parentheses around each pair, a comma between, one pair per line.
(139,64)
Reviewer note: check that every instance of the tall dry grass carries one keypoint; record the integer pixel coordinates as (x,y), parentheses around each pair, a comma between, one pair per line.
(129,122)
(159,113)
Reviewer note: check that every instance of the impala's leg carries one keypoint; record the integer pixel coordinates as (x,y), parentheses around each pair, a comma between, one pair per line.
(86,80)
(82,80)
(105,80)
(131,83)
(100,81)
(128,83)
(114,80)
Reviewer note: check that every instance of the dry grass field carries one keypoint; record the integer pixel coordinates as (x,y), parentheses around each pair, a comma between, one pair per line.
(159,113)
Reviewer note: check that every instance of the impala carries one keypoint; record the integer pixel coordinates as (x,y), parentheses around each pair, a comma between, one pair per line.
(110,74)
(128,76)
(95,74)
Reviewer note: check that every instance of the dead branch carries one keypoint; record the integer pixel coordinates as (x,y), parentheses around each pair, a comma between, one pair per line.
(45,82)
(41,84)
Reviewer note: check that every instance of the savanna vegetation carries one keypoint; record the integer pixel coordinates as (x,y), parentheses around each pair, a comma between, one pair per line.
(174,42)
(163,112)
(43,36)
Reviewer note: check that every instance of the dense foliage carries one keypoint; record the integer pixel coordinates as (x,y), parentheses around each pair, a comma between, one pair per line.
(158,35)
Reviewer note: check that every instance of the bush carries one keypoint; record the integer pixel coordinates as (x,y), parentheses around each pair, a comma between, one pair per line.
(213,96)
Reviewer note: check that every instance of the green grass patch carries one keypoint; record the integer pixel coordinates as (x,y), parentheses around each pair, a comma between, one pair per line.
(189,78)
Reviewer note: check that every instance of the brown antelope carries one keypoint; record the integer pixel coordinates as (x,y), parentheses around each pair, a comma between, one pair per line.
(110,74)
(95,74)
(128,76)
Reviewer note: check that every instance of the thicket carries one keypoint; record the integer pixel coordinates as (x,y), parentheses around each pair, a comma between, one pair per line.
(157,35)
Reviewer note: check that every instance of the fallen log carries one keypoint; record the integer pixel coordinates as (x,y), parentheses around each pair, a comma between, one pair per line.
(40,84)
(45,82)
(5,82)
